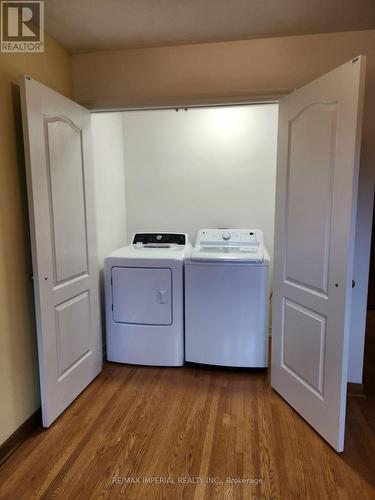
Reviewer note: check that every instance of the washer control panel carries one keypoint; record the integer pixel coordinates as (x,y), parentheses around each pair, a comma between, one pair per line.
(236,237)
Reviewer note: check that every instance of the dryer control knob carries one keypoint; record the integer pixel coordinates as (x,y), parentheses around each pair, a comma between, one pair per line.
(226,236)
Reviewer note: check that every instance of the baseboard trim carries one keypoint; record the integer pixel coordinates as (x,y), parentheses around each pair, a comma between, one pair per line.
(356,390)
(20,435)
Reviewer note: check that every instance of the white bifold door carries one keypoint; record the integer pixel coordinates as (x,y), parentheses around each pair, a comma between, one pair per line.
(63,233)
(317,177)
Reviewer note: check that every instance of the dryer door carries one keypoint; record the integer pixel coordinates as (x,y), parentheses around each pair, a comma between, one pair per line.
(142,295)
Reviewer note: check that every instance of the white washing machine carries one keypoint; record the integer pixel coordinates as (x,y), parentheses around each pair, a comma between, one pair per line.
(226,299)
(144,300)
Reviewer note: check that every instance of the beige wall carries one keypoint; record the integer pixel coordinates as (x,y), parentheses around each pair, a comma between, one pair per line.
(212,72)
(19,384)
(242,71)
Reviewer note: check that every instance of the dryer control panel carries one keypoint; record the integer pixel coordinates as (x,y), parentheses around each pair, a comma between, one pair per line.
(163,239)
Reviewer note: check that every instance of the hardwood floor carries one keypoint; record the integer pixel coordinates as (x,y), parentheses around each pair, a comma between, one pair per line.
(150,424)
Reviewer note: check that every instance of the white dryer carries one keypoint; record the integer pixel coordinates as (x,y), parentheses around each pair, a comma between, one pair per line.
(226,299)
(144,300)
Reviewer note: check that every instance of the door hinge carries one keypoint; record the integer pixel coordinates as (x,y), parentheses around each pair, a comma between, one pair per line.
(112,307)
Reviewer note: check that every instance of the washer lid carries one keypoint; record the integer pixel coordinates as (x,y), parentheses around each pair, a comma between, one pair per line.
(228,254)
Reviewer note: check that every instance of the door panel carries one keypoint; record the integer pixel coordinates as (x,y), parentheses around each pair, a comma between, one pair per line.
(303,344)
(63,233)
(67,198)
(72,347)
(309,194)
(316,193)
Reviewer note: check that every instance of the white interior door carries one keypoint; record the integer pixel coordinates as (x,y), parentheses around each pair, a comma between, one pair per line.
(316,193)
(62,220)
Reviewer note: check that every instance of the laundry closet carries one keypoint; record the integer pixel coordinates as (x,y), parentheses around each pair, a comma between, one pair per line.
(184,170)
(180,170)
(288,168)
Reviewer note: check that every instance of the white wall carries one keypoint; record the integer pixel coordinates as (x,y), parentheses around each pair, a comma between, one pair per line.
(212,167)
(107,136)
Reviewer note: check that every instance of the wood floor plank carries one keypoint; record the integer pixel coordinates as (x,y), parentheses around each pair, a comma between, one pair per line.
(61,439)
(214,426)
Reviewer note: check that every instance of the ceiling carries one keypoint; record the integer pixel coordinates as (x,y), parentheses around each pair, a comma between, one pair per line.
(93,25)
